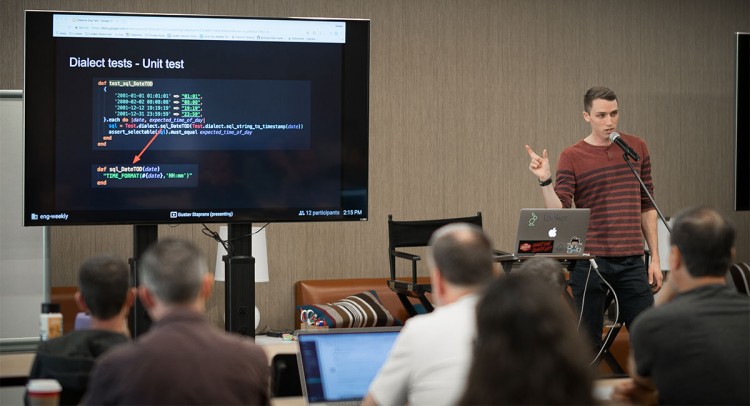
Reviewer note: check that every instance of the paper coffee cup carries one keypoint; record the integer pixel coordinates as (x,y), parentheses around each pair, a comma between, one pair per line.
(43,392)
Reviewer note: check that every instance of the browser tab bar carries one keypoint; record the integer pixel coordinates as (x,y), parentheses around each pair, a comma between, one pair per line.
(200,29)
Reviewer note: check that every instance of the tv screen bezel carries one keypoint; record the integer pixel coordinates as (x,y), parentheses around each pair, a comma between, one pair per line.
(742,123)
(39,96)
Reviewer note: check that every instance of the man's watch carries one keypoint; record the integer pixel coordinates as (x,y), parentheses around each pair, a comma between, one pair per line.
(545,182)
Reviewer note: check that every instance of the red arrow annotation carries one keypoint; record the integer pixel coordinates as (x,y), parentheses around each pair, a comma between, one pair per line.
(138,157)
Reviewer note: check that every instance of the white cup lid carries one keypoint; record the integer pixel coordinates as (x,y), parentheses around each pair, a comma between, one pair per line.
(43,386)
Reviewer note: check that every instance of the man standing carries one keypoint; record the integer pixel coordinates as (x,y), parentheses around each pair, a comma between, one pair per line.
(182,359)
(694,349)
(430,359)
(104,292)
(593,174)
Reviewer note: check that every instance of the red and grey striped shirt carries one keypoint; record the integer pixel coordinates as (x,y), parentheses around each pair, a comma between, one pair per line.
(598,178)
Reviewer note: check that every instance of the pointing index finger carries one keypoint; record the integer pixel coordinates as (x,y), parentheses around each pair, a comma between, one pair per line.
(531,152)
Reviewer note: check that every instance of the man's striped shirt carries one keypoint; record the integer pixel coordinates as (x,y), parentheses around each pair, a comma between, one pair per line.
(598,178)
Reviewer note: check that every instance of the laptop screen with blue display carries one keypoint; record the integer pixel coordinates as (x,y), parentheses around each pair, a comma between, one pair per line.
(339,365)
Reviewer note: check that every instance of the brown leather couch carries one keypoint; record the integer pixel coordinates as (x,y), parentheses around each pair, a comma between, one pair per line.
(319,291)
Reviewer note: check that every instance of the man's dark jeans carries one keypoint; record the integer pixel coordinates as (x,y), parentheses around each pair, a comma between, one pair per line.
(629,278)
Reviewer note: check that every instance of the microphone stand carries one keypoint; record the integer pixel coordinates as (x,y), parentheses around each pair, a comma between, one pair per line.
(643,187)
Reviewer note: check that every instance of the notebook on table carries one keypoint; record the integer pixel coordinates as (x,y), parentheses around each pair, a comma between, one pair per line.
(552,231)
(336,366)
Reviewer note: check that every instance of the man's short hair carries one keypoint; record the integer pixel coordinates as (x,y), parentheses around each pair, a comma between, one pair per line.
(103,281)
(705,240)
(173,271)
(597,92)
(462,254)
(545,269)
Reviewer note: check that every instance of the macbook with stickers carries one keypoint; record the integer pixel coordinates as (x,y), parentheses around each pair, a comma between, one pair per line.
(552,231)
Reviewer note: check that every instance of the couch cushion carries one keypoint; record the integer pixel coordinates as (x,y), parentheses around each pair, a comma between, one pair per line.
(360,310)
(314,291)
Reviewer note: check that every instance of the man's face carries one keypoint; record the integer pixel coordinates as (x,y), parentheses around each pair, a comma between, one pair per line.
(603,117)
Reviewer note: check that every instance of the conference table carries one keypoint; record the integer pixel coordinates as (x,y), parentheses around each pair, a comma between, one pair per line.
(15,367)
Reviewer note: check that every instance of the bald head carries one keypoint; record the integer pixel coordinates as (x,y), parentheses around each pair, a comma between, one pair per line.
(462,253)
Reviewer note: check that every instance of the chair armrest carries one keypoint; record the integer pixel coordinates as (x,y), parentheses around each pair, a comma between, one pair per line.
(406,255)
(413,258)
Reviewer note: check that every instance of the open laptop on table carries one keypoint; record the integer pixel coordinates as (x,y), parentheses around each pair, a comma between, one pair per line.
(336,366)
(552,232)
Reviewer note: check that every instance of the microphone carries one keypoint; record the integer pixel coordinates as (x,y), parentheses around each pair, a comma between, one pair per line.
(615,137)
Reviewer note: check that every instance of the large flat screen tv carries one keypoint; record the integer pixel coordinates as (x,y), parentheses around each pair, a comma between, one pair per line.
(150,119)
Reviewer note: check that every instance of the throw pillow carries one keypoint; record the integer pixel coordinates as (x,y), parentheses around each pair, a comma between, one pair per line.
(361,310)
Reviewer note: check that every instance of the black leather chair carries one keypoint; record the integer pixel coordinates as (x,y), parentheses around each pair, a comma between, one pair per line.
(412,234)
(739,274)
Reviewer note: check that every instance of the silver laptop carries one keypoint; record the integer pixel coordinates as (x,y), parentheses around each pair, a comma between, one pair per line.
(337,366)
(552,231)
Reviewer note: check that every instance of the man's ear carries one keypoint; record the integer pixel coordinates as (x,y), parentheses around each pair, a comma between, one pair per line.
(130,298)
(147,299)
(586,116)
(207,286)
(675,258)
(438,285)
(81,303)
(497,270)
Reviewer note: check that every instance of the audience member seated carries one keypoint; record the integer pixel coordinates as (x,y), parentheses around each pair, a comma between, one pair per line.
(693,349)
(527,351)
(183,359)
(430,359)
(547,269)
(104,292)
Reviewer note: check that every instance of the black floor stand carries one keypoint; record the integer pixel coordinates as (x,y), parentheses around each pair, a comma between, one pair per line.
(143,237)
(239,268)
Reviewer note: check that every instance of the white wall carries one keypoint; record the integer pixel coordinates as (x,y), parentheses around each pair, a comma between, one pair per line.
(22,281)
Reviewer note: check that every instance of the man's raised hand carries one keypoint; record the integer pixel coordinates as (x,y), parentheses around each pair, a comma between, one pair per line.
(539,165)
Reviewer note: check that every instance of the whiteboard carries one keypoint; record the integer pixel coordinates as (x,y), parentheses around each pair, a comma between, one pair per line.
(23,280)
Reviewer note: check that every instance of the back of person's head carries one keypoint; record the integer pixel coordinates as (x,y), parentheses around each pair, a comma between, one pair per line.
(462,253)
(705,240)
(546,269)
(173,271)
(597,92)
(527,349)
(104,281)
